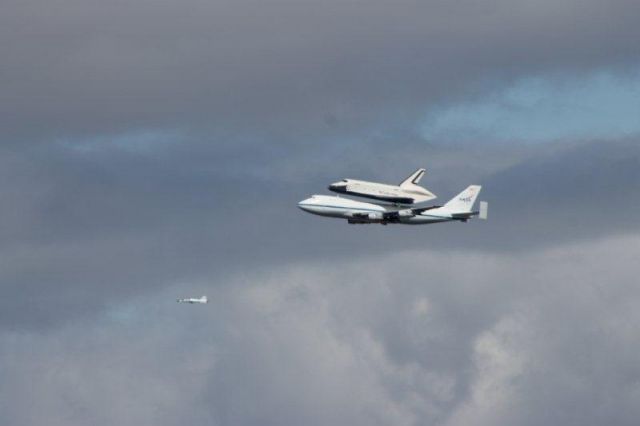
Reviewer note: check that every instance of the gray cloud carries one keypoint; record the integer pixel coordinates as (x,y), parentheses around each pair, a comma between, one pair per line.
(156,150)
(81,229)
(288,70)
(420,337)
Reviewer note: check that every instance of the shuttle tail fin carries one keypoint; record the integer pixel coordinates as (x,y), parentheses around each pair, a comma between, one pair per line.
(463,202)
(414,179)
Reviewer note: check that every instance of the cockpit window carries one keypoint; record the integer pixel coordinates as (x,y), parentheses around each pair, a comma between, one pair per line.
(344,180)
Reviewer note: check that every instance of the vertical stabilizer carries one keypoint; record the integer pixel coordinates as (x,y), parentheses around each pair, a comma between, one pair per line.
(414,179)
(463,202)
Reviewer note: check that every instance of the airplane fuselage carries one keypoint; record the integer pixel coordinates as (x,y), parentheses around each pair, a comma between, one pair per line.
(361,212)
(193,300)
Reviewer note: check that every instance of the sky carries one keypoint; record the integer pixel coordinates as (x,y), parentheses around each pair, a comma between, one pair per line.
(156,149)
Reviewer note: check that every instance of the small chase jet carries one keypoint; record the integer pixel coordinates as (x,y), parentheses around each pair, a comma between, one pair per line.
(408,192)
(459,208)
(203,299)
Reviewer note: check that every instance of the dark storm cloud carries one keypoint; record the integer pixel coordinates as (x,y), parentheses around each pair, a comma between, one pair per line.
(284,69)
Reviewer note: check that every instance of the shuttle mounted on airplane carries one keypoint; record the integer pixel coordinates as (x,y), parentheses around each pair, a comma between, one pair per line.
(408,192)
(459,208)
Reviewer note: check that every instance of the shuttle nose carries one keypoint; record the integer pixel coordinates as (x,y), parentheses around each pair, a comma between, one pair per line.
(338,187)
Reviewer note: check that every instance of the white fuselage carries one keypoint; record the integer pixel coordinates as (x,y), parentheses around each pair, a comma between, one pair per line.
(202,299)
(410,194)
(360,212)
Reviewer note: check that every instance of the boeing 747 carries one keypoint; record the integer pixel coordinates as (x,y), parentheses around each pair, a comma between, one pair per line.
(459,208)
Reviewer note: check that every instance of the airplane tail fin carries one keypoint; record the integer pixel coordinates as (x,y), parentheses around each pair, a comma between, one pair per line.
(463,202)
(414,179)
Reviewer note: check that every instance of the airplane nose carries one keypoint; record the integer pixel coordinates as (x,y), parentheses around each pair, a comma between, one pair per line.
(302,205)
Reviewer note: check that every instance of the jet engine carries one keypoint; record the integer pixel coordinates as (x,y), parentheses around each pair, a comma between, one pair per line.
(372,216)
(400,214)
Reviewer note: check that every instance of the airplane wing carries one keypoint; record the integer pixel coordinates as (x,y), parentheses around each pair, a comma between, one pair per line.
(419,210)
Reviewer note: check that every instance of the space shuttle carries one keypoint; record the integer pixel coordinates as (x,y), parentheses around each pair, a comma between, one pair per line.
(408,192)
(203,299)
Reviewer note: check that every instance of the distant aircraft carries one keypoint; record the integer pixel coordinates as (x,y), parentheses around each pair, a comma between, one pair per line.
(203,299)
(408,192)
(459,208)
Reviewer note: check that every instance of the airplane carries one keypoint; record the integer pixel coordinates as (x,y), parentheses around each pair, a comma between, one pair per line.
(203,299)
(459,208)
(408,192)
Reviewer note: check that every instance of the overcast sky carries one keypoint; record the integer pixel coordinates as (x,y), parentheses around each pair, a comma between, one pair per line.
(156,149)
